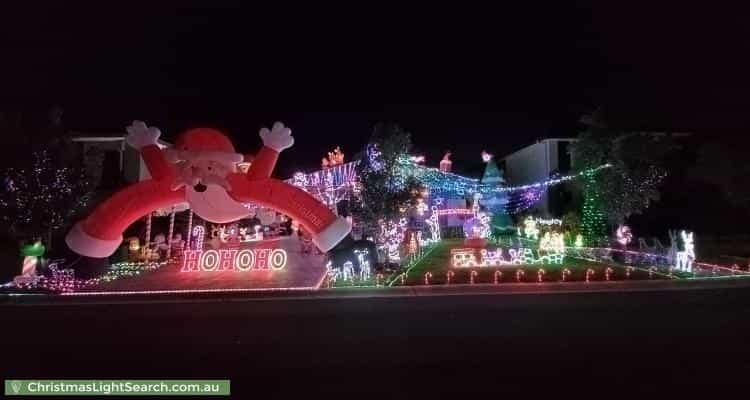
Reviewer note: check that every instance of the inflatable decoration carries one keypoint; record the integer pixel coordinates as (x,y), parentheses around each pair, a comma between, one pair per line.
(202,170)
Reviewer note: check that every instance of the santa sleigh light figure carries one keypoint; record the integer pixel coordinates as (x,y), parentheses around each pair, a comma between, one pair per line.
(201,169)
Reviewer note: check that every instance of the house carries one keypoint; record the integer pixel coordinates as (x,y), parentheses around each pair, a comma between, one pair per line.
(109,161)
(538,162)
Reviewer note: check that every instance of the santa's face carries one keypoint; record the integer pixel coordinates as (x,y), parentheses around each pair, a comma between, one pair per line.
(207,188)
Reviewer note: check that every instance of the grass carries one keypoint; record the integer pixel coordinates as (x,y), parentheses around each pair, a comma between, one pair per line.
(438,263)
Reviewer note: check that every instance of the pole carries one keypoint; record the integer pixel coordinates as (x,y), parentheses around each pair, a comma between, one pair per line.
(148,233)
(171,231)
(188,237)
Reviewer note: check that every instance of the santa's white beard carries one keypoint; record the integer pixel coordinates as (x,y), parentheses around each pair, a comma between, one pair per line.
(215,204)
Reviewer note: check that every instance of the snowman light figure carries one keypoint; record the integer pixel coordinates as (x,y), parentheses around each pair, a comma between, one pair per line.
(686,257)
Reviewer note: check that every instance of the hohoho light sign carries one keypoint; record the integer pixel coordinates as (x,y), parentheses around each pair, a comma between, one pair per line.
(233,260)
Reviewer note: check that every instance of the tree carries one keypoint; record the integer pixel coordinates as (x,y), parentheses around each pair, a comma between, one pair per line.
(42,196)
(43,184)
(383,192)
(632,181)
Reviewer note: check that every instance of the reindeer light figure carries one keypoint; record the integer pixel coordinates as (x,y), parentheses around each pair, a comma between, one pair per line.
(684,258)
(364,263)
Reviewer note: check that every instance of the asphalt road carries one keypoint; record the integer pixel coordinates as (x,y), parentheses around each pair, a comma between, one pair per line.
(588,343)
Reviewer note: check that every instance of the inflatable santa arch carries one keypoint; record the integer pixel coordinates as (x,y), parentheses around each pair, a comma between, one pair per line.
(201,169)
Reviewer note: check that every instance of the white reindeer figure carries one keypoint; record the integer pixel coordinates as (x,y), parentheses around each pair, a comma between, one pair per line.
(347,271)
(364,263)
(685,258)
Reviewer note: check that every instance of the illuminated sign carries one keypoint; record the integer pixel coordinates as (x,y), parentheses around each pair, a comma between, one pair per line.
(233,260)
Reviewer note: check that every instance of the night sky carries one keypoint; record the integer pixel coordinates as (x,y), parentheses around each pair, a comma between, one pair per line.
(465,79)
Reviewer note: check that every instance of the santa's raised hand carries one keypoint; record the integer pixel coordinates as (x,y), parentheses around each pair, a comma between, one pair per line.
(140,135)
(278,138)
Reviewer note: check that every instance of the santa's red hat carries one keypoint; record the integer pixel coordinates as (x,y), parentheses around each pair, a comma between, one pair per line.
(206,144)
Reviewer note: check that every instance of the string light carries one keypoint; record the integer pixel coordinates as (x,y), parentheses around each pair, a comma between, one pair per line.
(607,273)
(540,275)
(473,274)
(448,276)
(519,274)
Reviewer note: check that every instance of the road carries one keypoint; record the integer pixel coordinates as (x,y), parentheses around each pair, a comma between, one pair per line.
(594,343)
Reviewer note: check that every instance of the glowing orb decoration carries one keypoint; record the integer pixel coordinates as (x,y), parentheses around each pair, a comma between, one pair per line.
(486,157)
(624,235)
(233,260)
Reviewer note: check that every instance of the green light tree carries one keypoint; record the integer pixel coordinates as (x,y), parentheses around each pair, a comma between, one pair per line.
(632,182)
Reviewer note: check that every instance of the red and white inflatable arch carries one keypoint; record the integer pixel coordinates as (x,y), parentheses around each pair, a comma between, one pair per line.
(201,169)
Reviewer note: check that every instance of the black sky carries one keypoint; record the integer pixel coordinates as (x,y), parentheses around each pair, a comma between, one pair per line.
(456,77)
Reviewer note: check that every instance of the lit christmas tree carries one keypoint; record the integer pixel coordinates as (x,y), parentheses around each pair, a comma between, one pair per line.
(594,221)
(497,203)
(42,196)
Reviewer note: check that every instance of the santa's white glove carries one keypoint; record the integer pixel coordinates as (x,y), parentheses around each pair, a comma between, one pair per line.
(278,138)
(140,135)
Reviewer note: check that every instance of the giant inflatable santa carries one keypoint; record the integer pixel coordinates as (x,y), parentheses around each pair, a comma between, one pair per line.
(201,169)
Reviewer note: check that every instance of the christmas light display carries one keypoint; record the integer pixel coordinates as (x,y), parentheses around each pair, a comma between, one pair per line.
(565,274)
(448,277)
(201,170)
(391,237)
(347,271)
(628,270)
(548,222)
(530,229)
(686,256)
(589,273)
(579,241)
(552,242)
(427,277)
(199,234)
(446,163)
(593,222)
(477,227)
(364,263)
(31,254)
(455,211)
(624,235)
(540,275)
(472,275)
(234,260)
(498,277)
(335,157)
(519,274)
(607,272)
(64,281)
